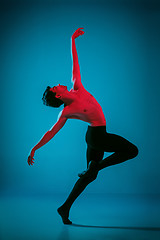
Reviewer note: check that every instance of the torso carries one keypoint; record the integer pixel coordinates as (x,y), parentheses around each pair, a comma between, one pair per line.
(85,107)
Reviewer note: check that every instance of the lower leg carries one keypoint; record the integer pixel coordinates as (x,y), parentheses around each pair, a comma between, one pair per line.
(78,188)
(116,158)
(113,159)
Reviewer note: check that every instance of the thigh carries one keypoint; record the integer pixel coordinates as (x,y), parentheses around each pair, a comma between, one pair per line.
(101,141)
(94,154)
(116,143)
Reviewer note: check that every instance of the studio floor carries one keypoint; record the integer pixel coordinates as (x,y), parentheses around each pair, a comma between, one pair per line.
(109,217)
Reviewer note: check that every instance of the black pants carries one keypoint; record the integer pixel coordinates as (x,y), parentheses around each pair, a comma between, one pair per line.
(98,142)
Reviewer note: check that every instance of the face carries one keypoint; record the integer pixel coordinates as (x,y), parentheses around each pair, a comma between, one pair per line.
(59,90)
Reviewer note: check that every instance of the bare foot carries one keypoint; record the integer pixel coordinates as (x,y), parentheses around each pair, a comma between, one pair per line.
(82,173)
(64,215)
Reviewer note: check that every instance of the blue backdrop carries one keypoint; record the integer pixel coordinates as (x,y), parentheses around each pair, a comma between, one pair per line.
(119,58)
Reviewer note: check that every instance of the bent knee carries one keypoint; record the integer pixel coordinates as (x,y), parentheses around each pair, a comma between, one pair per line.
(134,152)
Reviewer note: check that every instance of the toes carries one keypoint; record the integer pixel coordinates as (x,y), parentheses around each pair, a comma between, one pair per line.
(67,221)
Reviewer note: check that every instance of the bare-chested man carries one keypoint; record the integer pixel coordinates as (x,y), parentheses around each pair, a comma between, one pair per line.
(80,104)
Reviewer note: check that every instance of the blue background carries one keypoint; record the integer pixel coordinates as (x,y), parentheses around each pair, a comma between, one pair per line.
(119,58)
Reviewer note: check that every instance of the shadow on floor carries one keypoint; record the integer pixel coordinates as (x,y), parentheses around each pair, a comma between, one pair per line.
(117,227)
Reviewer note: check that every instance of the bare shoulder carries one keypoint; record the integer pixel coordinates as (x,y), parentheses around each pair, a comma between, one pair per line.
(81,92)
(64,113)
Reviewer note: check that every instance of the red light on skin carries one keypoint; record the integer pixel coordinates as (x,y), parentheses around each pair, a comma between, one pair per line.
(80,104)
(59,88)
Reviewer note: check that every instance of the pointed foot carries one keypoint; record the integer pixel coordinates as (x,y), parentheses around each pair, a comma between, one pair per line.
(82,173)
(64,215)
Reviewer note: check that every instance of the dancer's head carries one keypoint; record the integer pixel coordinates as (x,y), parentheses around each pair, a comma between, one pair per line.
(52,96)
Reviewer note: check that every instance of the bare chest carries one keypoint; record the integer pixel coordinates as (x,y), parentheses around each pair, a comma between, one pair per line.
(83,107)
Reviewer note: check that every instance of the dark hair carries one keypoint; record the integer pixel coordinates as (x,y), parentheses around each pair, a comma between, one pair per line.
(49,99)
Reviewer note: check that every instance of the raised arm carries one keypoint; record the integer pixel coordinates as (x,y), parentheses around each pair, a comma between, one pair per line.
(47,137)
(76,76)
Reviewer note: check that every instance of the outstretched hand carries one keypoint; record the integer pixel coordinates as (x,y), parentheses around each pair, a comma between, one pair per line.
(30,158)
(77,33)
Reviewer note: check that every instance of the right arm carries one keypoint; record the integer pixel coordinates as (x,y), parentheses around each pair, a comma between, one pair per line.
(47,137)
(76,76)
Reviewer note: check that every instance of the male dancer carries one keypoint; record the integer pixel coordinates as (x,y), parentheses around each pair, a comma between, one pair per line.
(80,104)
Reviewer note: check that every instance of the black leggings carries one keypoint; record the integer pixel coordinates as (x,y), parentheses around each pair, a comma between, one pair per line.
(99,141)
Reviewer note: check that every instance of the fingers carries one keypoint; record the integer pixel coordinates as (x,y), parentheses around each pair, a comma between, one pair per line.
(80,31)
(30,160)
(80,28)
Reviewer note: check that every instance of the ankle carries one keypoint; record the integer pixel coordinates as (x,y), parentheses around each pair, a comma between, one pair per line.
(65,207)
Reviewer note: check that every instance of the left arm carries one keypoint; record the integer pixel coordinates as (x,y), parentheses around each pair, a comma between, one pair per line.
(47,137)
